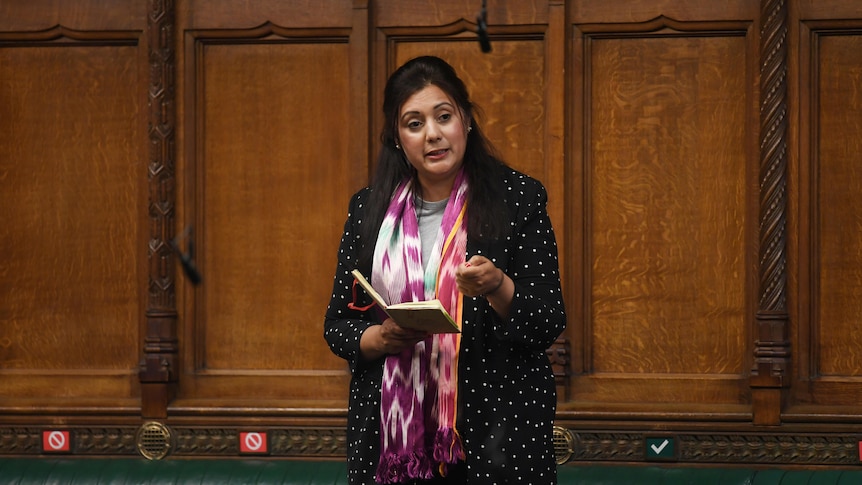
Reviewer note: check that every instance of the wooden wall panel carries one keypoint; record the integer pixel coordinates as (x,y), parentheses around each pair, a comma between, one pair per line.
(434,13)
(628,11)
(839,206)
(70,169)
(667,205)
(667,191)
(829,182)
(302,14)
(275,183)
(267,161)
(83,16)
(273,118)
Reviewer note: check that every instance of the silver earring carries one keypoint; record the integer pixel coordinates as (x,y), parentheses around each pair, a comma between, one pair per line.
(469,129)
(397,146)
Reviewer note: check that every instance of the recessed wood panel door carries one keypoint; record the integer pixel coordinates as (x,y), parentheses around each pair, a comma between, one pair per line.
(667,205)
(664,114)
(830,278)
(839,205)
(72,189)
(271,180)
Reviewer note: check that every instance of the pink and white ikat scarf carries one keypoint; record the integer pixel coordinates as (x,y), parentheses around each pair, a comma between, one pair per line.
(419,391)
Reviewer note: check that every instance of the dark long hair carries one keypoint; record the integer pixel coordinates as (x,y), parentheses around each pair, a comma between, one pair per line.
(485,200)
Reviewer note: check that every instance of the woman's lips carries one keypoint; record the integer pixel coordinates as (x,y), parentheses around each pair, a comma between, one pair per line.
(435,154)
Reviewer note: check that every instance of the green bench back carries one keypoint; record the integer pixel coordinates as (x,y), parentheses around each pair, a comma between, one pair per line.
(128,471)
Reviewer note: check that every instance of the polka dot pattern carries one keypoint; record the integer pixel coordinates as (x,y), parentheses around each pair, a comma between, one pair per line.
(506,393)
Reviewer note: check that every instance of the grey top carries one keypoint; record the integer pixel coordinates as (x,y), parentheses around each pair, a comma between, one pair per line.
(430,216)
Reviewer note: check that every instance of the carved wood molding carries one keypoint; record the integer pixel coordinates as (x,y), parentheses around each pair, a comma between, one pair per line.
(663,26)
(560,356)
(159,365)
(90,441)
(772,347)
(585,446)
(312,442)
(738,449)
(271,32)
(189,442)
(60,35)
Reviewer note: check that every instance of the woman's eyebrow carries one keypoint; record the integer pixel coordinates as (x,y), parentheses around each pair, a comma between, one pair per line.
(409,113)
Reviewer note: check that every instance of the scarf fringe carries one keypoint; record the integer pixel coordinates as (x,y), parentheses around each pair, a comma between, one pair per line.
(447,447)
(398,468)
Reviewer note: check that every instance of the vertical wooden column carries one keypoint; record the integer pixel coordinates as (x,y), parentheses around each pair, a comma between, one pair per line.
(771,371)
(361,145)
(158,370)
(555,178)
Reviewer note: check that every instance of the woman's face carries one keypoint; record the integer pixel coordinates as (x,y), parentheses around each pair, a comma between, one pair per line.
(433,136)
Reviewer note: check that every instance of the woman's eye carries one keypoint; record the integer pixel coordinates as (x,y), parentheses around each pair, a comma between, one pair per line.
(414,124)
(445,117)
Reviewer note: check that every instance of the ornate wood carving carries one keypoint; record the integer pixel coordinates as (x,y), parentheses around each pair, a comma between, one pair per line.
(312,442)
(772,449)
(188,441)
(816,449)
(159,367)
(560,355)
(105,441)
(20,440)
(62,35)
(101,441)
(772,347)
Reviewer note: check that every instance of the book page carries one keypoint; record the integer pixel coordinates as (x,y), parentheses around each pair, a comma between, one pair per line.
(428,316)
(368,288)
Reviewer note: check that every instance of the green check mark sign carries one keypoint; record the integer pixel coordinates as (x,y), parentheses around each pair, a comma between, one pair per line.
(661,448)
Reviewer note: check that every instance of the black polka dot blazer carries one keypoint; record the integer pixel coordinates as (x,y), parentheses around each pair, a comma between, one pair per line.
(506,393)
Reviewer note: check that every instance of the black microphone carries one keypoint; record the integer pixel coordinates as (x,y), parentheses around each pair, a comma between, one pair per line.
(190,270)
(482,29)
(187,258)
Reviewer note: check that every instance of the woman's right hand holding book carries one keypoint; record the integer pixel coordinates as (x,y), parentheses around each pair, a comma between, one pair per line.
(388,338)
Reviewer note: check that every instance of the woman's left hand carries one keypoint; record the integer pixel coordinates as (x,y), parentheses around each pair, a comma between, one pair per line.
(479,277)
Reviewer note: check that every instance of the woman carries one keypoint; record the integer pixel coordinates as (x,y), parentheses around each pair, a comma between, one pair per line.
(446,219)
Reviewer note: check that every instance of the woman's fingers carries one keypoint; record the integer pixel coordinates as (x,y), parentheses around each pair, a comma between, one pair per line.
(397,338)
(478,276)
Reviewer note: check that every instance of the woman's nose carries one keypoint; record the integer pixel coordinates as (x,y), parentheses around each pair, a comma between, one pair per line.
(432,132)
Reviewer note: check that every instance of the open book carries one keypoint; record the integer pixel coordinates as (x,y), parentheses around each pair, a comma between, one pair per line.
(429,316)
